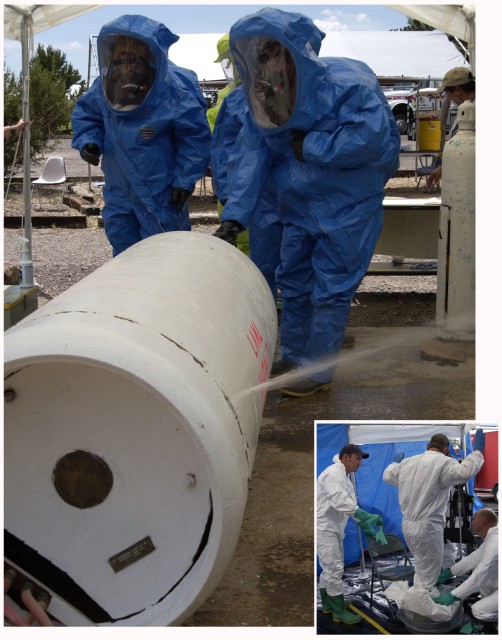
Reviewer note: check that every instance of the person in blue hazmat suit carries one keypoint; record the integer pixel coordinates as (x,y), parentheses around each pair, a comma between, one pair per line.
(233,81)
(323,133)
(424,483)
(264,234)
(146,118)
(336,501)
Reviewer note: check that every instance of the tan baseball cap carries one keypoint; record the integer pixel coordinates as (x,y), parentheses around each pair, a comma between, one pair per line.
(455,78)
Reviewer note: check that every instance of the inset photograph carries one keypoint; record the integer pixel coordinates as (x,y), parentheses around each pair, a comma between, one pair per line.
(406,528)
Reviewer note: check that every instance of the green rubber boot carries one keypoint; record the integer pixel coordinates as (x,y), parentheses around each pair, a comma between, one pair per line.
(340,614)
(327,607)
(327,604)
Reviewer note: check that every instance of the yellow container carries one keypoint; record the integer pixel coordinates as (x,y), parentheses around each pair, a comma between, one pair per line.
(429,135)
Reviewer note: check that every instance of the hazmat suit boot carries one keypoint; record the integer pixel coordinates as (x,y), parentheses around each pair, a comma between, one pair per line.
(327,606)
(279,368)
(304,388)
(348,342)
(340,614)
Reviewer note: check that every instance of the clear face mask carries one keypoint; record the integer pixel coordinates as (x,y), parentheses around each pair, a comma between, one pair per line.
(128,72)
(272,77)
(230,71)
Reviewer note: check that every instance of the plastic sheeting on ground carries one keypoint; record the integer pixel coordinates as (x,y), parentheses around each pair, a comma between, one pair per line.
(382,618)
(419,600)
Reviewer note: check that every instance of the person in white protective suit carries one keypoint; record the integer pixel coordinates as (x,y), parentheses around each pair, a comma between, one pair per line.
(483,563)
(424,483)
(336,501)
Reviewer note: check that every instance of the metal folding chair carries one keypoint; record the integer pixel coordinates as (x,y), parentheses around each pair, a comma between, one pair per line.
(389,562)
(428,162)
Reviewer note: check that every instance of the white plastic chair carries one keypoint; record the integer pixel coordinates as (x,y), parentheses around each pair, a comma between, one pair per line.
(54,172)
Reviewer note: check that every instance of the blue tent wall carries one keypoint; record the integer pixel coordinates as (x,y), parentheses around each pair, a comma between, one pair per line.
(373,493)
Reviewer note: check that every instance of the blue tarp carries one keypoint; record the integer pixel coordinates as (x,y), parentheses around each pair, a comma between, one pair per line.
(373,493)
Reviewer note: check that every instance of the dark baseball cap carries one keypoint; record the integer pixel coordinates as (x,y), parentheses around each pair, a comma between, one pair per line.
(352,448)
(439,441)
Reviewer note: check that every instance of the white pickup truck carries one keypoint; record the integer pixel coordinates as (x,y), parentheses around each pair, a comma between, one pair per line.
(402,101)
(403,104)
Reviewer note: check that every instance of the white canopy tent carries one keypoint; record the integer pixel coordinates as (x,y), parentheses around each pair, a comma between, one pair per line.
(393,433)
(390,54)
(396,54)
(458,20)
(197,51)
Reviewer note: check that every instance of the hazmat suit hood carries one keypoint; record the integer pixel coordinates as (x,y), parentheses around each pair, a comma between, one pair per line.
(226,60)
(133,62)
(276,53)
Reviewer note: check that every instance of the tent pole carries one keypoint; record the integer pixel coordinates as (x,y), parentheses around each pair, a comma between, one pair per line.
(89,176)
(460,515)
(363,573)
(26,28)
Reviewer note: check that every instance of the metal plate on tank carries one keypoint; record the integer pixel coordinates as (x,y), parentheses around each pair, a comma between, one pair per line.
(132,554)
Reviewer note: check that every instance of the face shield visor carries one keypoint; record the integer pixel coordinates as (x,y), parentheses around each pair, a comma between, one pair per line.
(271,80)
(230,70)
(128,71)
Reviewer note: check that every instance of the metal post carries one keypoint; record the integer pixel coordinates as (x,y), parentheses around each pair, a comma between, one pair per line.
(88,85)
(26,27)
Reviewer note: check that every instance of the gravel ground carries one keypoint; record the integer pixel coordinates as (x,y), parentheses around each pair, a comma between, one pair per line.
(62,257)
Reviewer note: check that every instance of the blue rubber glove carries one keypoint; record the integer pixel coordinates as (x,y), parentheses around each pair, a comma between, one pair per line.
(444,576)
(380,537)
(446,598)
(368,518)
(479,441)
(399,456)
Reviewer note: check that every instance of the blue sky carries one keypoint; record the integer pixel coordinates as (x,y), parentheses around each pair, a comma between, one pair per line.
(72,37)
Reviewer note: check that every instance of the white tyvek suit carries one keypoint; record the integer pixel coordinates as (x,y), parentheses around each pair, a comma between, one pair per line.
(484,578)
(424,483)
(336,501)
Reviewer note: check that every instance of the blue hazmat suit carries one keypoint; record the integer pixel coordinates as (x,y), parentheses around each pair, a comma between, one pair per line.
(265,226)
(150,127)
(323,133)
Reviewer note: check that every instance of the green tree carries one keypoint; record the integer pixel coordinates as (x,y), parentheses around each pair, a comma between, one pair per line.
(50,103)
(54,60)
(416,25)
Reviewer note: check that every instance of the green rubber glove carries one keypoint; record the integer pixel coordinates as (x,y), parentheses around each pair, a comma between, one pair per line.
(470,627)
(446,598)
(444,576)
(370,534)
(368,518)
(380,537)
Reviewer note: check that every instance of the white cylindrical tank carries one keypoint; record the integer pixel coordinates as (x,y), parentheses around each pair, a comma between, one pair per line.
(455,301)
(129,438)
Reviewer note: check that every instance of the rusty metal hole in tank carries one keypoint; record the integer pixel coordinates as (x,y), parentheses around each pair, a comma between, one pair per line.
(82,479)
